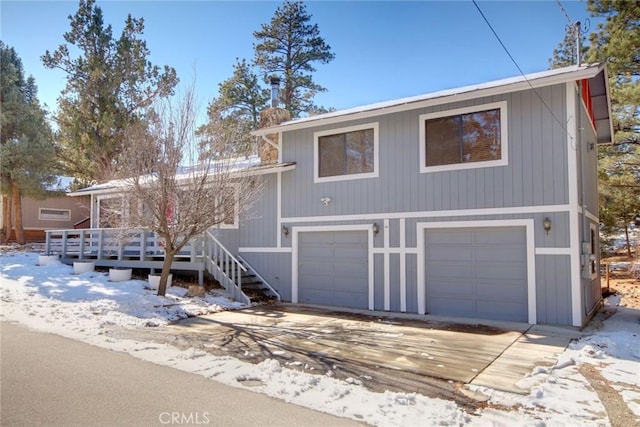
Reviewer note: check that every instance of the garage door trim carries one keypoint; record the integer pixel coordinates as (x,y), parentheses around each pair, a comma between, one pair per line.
(295,231)
(528,224)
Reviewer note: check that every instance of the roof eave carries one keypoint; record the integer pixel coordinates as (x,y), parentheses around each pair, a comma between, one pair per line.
(436,98)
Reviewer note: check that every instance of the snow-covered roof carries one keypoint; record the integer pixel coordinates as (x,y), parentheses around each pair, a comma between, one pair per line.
(512,84)
(250,165)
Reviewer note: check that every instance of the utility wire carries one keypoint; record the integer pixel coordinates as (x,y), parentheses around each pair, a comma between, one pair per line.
(522,72)
(566,15)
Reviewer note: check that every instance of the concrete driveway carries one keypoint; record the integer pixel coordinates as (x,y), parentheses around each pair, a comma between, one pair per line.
(404,352)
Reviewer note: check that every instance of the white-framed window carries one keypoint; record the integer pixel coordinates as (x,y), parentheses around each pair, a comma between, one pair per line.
(51,214)
(227,206)
(346,153)
(464,138)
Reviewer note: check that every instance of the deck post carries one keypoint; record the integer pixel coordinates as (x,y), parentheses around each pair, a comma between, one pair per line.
(47,244)
(64,244)
(100,242)
(81,248)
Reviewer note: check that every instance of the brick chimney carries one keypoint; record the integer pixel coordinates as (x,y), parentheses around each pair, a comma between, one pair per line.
(270,117)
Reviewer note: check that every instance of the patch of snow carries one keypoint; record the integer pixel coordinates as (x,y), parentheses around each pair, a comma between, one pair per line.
(51,298)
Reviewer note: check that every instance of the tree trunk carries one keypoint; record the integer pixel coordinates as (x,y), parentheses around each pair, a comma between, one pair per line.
(17,214)
(166,269)
(626,235)
(6,217)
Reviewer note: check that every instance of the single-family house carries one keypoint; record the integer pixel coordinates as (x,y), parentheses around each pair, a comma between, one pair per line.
(479,201)
(54,211)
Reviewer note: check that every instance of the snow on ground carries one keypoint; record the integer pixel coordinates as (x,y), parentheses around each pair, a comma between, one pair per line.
(51,298)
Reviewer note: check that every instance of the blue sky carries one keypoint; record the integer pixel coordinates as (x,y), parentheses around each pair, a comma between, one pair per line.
(384,50)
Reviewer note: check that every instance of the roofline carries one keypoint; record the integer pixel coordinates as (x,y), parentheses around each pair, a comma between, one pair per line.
(253,171)
(512,84)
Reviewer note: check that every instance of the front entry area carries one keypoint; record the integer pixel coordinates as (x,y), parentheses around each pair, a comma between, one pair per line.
(333,268)
(476,272)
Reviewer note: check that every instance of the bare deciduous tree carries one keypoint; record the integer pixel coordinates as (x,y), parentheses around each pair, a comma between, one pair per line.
(181,202)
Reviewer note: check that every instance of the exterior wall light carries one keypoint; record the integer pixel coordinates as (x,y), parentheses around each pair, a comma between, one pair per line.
(285,230)
(547,225)
(325,201)
(376,229)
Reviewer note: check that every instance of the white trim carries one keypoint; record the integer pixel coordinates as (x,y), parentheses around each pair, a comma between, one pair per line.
(403,266)
(279,210)
(295,231)
(316,153)
(433,214)
(504,133)
(258,249)
(574,220)
(553,251)
(593,217)
(387,278)
(421,227)
(66,212)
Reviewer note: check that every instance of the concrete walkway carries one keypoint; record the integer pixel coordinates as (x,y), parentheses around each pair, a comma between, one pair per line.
(479,352)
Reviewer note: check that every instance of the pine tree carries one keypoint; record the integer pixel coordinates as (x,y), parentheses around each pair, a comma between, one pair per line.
(288,47)
(617,41)
(237,107)
(27,153)
(109,86)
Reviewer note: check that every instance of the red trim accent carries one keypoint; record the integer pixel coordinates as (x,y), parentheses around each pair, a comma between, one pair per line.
(586,99)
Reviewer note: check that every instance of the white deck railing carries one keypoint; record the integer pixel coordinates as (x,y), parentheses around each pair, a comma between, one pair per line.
(116,244)
(225,268)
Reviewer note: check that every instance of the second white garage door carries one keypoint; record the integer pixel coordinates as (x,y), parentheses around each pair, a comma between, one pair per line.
(477,272)
(333,268)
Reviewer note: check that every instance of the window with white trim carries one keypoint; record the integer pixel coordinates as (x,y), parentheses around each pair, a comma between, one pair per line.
(470,137)
(227,207)
(50,214)
(346,153)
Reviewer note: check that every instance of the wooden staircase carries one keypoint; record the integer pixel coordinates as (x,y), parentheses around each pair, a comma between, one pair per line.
(238,278)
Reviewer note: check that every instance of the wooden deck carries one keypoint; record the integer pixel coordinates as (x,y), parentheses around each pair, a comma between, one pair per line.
(132,248)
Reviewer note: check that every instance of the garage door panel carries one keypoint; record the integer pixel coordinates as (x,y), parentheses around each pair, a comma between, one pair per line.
(499,235)
(486,279)
(333,268)
(441,271)
(449,237)
(453,288)
(350,269)
(509,253)
(506,311)
(500,290)
(449,253)
(354,252)
(500,271)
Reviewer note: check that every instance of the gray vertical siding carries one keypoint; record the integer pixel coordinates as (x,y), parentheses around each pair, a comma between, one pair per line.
(553,293)
(536,173)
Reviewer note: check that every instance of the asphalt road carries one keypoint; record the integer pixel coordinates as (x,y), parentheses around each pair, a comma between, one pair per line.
(50,380)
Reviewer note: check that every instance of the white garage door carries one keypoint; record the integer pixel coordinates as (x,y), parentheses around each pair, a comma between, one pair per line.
(479,272)
(333,268)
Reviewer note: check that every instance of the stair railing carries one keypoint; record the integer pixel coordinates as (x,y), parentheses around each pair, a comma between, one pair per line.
(225,268)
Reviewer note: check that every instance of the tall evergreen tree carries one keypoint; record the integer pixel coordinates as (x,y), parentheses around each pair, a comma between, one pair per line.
(288,47)
(109,86)
(237,107)
(617,41)
(27,153)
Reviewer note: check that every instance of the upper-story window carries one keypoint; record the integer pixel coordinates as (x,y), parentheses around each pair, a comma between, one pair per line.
(346,153)
(471,137)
